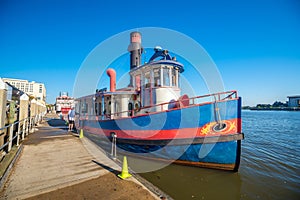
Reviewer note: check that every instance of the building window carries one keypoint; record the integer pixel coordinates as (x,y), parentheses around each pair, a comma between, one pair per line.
(26,87)
(41,89)
(22,87)
(31,88)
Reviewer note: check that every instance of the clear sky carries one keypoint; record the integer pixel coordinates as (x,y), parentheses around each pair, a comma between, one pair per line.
(254,43)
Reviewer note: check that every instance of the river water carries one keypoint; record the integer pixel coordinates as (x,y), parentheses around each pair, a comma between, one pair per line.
(270,164)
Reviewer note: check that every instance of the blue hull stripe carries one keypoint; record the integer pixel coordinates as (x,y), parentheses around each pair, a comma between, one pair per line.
(219,153)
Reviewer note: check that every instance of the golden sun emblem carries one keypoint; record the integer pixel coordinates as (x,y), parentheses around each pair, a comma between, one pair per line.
(210,128)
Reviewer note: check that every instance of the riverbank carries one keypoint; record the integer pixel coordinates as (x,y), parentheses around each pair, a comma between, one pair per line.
(273,108)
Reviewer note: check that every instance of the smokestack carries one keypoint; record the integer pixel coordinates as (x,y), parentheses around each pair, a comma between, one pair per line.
(112,74)
(135,48)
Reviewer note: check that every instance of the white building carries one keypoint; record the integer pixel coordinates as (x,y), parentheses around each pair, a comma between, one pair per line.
(32,88)
(294,101)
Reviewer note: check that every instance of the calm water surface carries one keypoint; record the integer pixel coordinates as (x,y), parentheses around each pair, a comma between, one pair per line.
(270,164)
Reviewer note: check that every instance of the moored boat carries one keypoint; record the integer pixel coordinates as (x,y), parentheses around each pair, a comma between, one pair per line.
(151,119)
(63,104)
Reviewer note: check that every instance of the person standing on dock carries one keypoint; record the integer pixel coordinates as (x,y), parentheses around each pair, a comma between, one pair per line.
(71,116)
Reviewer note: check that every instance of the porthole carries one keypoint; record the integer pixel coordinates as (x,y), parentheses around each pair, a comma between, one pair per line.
(219,127)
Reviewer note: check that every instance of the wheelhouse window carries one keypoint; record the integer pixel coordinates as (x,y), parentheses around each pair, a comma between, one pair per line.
(157,80)
(100,109)
(96,108)
(147,80)
(166,76)
(84,107)
(174,78)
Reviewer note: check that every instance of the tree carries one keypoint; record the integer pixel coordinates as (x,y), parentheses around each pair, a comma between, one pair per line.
(277,104)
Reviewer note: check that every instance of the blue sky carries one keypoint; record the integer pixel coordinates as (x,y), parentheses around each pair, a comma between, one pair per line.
(255,44)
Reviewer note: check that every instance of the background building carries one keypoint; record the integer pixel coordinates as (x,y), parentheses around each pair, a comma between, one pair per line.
(294,101)
(32,88)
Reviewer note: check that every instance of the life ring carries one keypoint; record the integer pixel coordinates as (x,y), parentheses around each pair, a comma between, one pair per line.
(137,106)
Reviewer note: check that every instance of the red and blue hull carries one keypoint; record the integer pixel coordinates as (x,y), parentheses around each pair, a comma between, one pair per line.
(186,135)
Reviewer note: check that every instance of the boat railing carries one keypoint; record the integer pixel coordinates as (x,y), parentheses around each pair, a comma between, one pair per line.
(167,106)
(216,97)
(192,101)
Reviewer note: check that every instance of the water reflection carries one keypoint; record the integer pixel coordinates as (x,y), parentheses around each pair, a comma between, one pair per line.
(183,182)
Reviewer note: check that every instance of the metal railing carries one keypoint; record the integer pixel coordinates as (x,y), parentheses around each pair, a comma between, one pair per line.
(193,101)
(18,130)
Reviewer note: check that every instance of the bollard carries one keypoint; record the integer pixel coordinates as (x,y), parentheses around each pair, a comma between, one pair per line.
(114,146)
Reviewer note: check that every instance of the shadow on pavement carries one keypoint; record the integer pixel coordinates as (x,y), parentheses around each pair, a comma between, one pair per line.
(107,168)
(56,122)
(61,124)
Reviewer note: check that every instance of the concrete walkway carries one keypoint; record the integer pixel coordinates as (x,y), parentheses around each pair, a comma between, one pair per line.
(53,159)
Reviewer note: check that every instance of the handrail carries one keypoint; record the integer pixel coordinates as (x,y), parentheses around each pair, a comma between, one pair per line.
(218,99)
(9,125)
(21,130)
